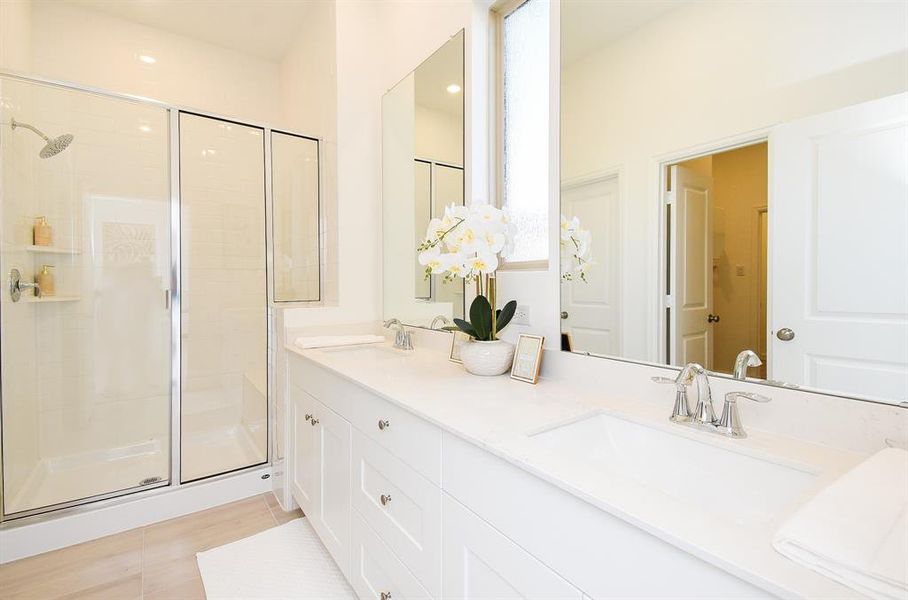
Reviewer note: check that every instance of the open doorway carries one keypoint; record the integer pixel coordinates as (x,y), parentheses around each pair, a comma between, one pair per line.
(717,258)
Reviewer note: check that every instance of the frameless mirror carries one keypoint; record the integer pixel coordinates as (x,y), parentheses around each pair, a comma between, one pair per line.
(422,173)
(734,178)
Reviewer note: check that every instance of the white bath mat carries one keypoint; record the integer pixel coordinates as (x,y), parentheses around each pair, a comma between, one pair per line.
(287,561)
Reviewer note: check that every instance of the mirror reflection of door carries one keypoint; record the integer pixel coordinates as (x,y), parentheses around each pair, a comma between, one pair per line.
(718,266)
(590,312)
(840,200)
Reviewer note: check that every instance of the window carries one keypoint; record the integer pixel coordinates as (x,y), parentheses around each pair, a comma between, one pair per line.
(524,126)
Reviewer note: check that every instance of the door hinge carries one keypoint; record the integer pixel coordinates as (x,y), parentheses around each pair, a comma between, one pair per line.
(668,198)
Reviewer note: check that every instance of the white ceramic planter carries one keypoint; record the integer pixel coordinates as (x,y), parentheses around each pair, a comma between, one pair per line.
(487,358)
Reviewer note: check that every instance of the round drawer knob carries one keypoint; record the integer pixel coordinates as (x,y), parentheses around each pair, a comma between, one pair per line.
(386,596)
(385,499)
(313,422)
(383,424)
(308,416)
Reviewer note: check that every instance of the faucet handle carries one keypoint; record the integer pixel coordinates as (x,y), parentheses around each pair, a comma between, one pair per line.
(730,422)
(669,381)
(733,396)
(681,412)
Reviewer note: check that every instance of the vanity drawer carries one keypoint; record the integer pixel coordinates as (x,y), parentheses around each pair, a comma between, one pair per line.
(409,438)
(333,391)
(376,572)
(402,506)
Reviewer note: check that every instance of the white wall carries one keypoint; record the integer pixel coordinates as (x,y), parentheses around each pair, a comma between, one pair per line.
(94,49)
(309,104)
(700,74)
(378,43)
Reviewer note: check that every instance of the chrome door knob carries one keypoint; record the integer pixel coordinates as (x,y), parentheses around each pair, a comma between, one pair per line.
(712,318)
(385,499)
(564,314)
(785,334)
(383,424)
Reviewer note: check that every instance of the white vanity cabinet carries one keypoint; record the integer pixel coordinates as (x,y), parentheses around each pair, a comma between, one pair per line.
(408,511)
(480,562)
(321,472)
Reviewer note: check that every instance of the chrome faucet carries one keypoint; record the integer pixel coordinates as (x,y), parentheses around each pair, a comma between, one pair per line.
(402,338)
(745,359)
(445,321)
(704,414)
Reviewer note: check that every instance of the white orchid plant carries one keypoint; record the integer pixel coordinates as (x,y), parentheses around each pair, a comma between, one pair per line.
(468,242)
(576,256)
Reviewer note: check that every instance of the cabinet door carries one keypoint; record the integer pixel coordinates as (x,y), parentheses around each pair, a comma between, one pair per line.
(331,517)
(304,452)
(480,562)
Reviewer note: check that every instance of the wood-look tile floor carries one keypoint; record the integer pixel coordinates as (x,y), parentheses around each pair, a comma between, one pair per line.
(156,562)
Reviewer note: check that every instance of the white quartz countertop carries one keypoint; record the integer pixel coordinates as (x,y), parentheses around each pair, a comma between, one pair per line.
(500,415)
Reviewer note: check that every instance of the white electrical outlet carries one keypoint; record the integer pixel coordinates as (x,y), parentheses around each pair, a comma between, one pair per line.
(521,315)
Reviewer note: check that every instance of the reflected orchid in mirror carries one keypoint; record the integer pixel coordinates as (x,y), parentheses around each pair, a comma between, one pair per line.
(468,242)
(576,253)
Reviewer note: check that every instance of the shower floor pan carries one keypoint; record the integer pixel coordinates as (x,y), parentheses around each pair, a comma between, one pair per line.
(78,476)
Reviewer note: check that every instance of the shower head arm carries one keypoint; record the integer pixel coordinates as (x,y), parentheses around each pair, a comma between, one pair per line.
(16,123)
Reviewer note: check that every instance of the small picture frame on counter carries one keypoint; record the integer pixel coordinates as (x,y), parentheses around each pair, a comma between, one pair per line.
(527,358)
(457,340)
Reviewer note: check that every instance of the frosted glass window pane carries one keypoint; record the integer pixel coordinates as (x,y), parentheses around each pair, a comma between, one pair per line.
(526,117)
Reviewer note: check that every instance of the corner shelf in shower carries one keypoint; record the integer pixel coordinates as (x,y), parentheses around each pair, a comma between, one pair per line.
(51,250)
(49,299)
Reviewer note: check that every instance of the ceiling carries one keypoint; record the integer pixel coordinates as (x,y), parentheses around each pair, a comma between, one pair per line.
(587,25)
(439,71)
(263,28)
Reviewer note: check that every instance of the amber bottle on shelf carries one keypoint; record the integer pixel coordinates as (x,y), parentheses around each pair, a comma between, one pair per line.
(43,233)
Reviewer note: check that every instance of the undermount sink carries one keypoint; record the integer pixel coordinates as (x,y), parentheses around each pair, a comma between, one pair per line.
(734,486)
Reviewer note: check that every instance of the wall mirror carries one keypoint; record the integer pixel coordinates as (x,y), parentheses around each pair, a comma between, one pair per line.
(422,173)
(734,176)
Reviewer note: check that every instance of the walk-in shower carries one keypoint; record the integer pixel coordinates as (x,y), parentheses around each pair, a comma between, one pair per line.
(147,364)
(52,147)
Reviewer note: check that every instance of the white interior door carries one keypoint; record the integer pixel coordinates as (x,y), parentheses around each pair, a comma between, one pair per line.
(692,281)
(590,310)
(839,250)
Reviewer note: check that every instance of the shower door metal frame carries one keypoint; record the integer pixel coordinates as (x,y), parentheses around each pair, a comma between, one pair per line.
(47,513)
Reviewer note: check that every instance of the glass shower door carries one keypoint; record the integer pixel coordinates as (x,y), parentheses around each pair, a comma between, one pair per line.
(86,353)
(224,297)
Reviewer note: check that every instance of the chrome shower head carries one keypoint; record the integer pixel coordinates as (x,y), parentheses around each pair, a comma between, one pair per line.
(56,145)
(52,147)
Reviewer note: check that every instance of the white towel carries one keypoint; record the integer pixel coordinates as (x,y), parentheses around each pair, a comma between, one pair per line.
(855,531)
(326,341)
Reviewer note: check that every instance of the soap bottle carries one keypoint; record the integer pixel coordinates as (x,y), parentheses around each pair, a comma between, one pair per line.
(43,234)
(45,281)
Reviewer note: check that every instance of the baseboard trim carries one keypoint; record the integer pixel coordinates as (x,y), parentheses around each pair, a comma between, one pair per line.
(110,517)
